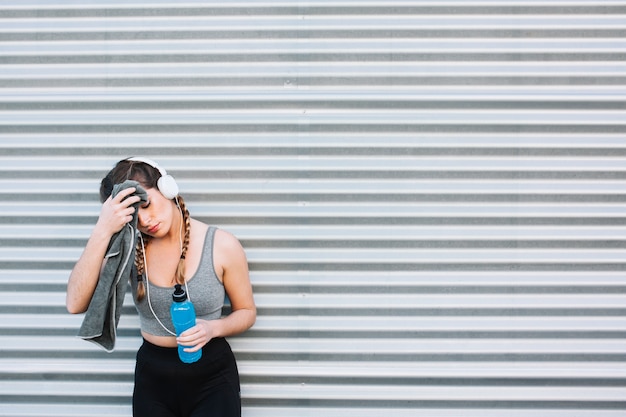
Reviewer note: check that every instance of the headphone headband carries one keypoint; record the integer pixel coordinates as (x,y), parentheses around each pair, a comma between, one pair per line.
(166,184)
(149,162)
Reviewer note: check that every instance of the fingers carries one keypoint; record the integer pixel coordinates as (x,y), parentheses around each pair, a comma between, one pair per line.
(192,339)
(121,197)
(196,337)
(117,211)
(125,210)
(123,204)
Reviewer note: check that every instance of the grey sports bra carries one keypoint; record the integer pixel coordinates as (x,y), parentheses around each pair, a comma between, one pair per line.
(205,291)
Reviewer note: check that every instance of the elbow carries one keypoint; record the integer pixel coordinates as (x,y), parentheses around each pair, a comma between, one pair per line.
(73,307)
(73,310)
(252,318)
(247,318)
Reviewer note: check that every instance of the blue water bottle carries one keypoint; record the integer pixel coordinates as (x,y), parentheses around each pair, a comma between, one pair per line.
(183,316)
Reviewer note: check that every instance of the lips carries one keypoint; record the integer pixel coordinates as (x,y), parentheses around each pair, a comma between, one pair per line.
(153,229)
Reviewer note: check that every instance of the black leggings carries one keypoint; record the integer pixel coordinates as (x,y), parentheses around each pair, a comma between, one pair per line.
(167,387)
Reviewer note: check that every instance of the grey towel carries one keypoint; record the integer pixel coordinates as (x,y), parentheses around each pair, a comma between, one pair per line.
(103,314)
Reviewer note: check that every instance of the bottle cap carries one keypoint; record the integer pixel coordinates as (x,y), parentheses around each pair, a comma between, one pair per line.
(179,294)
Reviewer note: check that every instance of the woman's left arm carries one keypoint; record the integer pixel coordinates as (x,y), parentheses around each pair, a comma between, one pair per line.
(231,262)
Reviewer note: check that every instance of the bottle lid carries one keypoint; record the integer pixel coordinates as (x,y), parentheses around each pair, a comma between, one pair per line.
(179,294)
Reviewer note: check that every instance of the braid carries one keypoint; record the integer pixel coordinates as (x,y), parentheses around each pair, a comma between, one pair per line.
(180,270)
(141,268)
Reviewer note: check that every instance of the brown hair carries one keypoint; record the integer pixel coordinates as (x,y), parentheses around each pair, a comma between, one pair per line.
(147,176)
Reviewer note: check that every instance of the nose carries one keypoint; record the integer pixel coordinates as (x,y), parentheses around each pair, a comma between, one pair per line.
(143,218)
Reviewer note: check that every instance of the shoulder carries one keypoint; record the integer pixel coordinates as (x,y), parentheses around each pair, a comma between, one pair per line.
(228,253)
(222,239)
(227,243)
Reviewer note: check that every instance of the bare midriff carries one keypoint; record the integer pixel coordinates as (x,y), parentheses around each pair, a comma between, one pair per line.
(163,341)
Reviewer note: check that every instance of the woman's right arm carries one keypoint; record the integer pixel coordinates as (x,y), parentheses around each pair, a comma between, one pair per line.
(115,213)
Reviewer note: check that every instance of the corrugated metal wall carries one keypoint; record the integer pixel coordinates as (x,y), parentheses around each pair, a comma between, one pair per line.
(431,195)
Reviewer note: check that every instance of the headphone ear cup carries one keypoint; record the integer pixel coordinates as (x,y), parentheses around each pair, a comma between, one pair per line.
(168,187)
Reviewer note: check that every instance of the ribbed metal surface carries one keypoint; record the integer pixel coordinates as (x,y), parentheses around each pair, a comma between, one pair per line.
(431,194)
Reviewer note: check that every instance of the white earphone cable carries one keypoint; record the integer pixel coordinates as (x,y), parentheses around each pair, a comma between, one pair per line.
(145,268)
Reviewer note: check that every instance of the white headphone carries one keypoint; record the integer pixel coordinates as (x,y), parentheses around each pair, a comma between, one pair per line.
(166,184)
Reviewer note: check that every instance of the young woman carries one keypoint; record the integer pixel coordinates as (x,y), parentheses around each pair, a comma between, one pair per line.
(174,248)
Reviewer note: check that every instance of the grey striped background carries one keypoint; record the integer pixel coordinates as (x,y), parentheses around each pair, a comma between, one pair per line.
(431,196)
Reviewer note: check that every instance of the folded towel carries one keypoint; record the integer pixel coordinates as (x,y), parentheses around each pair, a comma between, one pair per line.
(103,314)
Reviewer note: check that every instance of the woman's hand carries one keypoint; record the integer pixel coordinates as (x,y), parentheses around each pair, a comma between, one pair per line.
(199,335)
(117,211)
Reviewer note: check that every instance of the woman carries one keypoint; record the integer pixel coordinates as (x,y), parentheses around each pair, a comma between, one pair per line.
(173,248)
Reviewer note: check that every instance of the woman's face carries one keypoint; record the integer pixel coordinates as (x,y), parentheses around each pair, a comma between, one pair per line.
(156,215)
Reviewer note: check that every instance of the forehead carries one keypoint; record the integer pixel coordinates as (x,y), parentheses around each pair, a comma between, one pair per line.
(153,193)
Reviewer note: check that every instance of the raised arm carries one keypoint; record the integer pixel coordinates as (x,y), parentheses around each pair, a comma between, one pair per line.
(115,213)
